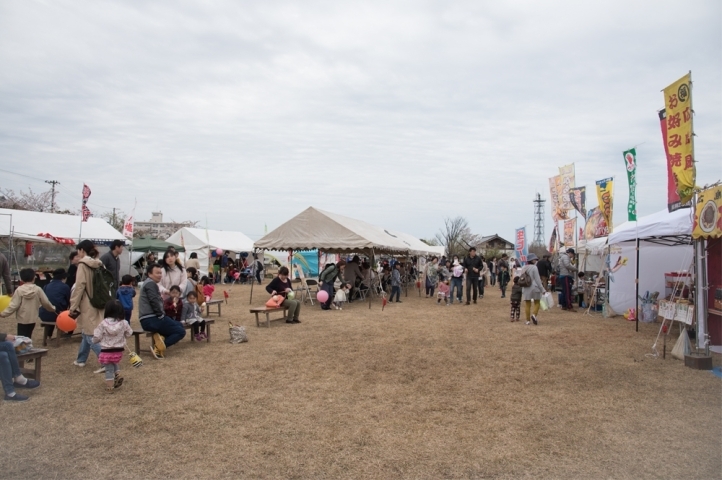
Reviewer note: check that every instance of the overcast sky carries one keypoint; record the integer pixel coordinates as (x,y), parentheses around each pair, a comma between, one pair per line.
(396,113)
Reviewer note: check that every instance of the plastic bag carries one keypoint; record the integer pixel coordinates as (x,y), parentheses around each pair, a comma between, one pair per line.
(237,333)
(543,303)
(549,299)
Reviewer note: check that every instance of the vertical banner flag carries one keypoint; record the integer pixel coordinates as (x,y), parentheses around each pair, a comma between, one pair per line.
(554,240)
(673,202)
(129,225)
(578,198)
(596,225)
(566,180)
(605,191)
(630,162)
(570,227)
(678,139)
(521,249)
(555,187)
(85,211)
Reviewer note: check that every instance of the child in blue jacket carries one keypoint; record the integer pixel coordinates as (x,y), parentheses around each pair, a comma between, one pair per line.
(125,294)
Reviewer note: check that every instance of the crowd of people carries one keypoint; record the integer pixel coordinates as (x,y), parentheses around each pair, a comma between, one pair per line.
(171,296)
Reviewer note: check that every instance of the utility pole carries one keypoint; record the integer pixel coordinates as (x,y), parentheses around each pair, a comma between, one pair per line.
(52,202)
(113,217)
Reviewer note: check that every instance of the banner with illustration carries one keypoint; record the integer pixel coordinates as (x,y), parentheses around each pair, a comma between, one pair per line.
(554,240)
(570,227)
(678,136)
(605,192)
(578,199)
(521,249)
(673,202)
(596,225)
(708,214)
(630,163)
(566,179)
(555,188)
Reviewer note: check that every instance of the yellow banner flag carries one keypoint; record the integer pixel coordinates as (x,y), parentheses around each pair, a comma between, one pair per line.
(708,214)
(605,192)
(679,141)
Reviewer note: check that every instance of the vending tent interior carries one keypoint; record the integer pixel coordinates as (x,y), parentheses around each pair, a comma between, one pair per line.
(332,233)
(202,241)
(664,241)
(592,254)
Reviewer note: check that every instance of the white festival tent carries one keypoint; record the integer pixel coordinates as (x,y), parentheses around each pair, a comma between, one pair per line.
(333,233)
(592,254)
(202,241)
(664,245)
(26,226)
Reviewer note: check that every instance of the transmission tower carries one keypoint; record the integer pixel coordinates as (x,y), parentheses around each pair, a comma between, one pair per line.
(539,221)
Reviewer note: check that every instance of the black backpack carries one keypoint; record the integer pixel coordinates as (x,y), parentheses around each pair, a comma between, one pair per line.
(260,266)
(104,287)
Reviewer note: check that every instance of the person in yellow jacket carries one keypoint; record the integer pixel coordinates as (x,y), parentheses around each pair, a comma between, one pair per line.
(81,309)
(26,302)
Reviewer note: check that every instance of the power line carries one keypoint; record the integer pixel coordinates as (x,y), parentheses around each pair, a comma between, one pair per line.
(52,201)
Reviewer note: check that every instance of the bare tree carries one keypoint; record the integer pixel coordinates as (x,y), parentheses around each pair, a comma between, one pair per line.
(116,218)
(456,236)
(36,202)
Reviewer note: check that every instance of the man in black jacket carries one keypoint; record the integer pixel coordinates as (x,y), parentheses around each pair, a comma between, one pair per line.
(111,260)
(472,268)
(545,269)
(152,314)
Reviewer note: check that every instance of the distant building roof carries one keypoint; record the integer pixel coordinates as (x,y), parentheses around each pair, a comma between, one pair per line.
(494,239)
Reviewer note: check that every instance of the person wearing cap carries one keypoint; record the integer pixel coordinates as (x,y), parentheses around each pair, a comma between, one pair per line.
(59,295)
(545,269)
(532,292)
(566,278)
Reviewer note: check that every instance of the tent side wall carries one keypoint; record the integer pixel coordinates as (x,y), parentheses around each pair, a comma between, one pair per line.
(655,261)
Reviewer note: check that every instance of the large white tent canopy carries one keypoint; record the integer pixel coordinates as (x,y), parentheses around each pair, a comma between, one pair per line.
(665,246)
(27,225)
(201,241)
(333,233)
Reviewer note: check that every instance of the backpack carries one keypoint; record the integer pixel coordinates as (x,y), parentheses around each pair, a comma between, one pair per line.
(104,288)
(525,279)
(259,268)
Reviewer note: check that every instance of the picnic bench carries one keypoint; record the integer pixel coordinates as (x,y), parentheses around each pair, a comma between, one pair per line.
(268,311)
(213,303)
(35,354)
(137,332)
(59,333)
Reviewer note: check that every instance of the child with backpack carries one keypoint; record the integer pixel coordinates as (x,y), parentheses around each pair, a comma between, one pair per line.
(125,294)
(26,302)
(516,292)
(111,334)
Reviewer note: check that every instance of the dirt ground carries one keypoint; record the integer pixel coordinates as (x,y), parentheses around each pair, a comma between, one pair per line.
(415,391)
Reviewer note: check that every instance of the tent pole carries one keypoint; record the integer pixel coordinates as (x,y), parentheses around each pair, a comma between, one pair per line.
(406,266)
(636,291)
(253,277)
(371,267)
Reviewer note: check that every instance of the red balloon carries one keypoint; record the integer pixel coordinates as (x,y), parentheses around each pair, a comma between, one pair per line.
(65,323)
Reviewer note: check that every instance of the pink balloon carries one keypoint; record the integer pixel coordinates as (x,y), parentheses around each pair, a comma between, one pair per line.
(219,251)
(322,296)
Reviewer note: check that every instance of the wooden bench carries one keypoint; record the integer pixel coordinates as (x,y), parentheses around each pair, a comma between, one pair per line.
(268,311)
(59,333)
(213,303)
(138,332)
(35,354)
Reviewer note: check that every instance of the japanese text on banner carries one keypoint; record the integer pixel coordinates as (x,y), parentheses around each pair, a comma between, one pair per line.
(679,141)
(566,180)
(570,227)
(521,249)
(605,192)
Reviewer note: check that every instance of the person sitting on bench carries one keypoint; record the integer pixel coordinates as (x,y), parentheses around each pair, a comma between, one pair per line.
(10,373)
(281,285)
(152,315)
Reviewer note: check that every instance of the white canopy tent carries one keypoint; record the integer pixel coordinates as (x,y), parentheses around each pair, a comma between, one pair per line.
(592,254)
(201,241)
(26,226)
(664,246)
